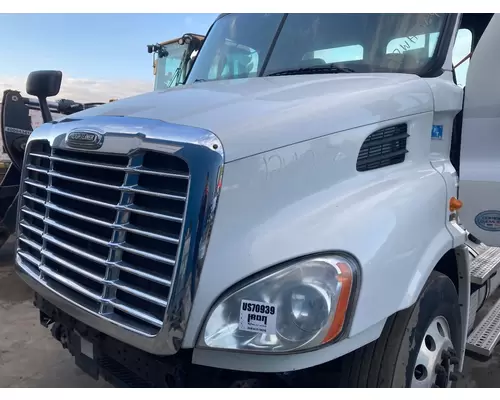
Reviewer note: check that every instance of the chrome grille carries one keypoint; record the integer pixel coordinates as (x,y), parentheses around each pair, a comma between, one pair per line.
(104,229)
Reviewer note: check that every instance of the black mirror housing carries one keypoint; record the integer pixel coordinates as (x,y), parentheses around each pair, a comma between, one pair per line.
(43,84)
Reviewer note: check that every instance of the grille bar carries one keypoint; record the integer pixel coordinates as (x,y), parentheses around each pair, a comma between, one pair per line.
(73,267)
(74,232)
(138,314)
(84,181)
(96,278)
(178,175)
(109,227)
(80,198)
(135,209)
(102,261)
(40,155)
(153,235)
(70,284)
(35,184)
(32,213)
(132,208)
(158,194)
(30,243)
(34,198)
(36,169)
(65,211)
(31,228)
(146,254)
(145,275)
(87,163)
(133,189)
(51,239)
(30,258)
(139,293)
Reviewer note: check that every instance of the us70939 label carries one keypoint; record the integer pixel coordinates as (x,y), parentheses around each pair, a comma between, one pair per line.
(256,316)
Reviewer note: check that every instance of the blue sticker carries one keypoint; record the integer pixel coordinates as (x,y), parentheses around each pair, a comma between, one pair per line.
(437,132)
(488,220)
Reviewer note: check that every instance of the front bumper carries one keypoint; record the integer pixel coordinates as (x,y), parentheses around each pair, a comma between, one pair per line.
(101,356)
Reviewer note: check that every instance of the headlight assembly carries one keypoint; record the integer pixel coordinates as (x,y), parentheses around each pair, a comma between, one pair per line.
(301,306)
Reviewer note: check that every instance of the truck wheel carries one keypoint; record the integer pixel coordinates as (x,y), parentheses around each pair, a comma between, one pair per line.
(418,346)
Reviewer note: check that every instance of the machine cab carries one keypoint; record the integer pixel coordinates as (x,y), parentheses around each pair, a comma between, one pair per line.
(479,163)
(172,59)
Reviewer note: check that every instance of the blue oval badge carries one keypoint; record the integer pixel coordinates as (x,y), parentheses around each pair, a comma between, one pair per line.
(488,220)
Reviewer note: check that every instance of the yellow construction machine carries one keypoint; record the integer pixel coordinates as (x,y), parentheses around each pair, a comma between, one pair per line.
(173,59)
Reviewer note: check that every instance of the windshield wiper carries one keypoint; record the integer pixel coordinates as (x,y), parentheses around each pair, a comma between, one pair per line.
(320,69)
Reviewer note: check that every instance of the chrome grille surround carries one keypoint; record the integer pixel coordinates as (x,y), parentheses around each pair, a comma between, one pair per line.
(125,137)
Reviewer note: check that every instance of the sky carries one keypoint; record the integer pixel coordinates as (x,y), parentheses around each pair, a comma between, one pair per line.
(102,56)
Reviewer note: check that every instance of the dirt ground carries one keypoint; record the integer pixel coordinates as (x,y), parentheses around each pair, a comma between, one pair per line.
(30,357)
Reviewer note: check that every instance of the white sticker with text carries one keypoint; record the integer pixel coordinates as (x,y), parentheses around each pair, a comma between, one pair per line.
(256,316)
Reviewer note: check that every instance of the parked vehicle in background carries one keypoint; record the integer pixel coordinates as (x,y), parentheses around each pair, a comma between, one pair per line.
(19,116)
(173,59)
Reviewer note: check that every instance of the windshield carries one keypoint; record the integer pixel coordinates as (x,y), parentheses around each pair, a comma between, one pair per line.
(249,45)
(168,72)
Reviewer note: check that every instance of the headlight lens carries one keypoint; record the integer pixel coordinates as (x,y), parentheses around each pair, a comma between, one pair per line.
(300,306)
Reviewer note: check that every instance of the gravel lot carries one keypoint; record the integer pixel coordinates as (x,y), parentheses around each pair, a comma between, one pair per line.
(30,357)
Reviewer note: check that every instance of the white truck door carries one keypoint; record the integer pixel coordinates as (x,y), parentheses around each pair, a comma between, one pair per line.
(479,187)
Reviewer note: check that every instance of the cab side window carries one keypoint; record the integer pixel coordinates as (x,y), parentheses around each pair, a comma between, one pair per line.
(425,42)
(412,51)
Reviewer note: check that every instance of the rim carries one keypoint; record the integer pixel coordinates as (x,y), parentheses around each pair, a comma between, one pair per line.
(437,358)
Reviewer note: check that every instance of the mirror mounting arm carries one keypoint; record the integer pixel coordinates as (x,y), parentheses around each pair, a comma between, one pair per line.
(44,108)
(43,84)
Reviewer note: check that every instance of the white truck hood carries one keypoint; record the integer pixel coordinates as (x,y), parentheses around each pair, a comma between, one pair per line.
(255,115)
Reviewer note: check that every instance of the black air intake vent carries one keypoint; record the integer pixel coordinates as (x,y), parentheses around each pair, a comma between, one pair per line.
(382,148)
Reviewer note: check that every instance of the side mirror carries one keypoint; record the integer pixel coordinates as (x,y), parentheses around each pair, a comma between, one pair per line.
(43,84)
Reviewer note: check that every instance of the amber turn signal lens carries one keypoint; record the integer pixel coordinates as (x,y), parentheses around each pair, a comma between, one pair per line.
(455,204)
(346,280)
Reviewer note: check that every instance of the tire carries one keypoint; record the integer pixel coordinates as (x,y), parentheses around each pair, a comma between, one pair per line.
(390,361)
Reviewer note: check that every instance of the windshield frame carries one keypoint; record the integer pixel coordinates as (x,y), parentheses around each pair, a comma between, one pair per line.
(176,74)
(433,68)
